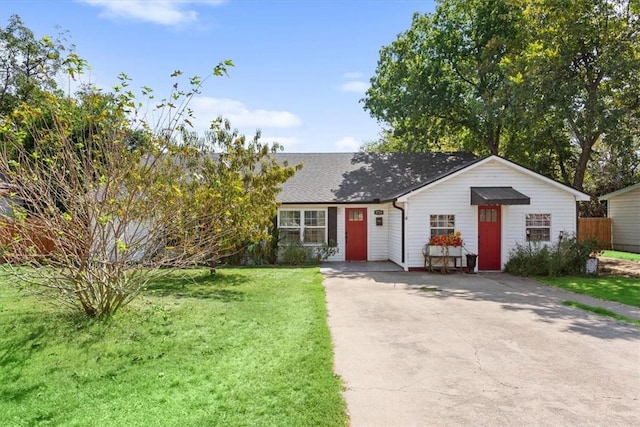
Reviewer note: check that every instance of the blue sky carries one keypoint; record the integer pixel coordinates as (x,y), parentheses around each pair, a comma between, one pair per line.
(300,66)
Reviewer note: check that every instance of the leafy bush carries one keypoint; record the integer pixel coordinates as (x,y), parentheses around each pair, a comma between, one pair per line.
(297,254)
(326,250)
(567,257)
(528,260)
(256,253)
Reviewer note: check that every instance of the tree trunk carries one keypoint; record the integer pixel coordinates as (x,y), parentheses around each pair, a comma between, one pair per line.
(583,160)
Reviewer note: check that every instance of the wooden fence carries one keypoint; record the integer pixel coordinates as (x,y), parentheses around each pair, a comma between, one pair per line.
(32,236)
(595,228)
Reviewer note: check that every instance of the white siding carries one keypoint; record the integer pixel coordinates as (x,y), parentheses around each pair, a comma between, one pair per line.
(452,196)
(377,236)
(378,241)
(395,234)
(624,211)
(134,235)
(339,256)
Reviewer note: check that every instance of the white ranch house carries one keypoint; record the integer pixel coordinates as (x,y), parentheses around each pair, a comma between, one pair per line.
(386,206)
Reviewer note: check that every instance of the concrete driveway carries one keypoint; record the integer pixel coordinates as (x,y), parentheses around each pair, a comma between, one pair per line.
(418,349)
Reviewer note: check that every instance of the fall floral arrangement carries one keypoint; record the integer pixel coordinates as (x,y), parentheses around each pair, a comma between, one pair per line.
(454,240)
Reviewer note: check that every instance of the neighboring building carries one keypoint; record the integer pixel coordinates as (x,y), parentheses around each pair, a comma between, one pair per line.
(623,207)
(386,206)
(7,201)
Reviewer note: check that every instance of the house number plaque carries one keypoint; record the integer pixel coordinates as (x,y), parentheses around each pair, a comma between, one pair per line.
(378,212)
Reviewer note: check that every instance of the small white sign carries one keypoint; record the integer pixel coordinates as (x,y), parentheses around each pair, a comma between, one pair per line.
(591,266)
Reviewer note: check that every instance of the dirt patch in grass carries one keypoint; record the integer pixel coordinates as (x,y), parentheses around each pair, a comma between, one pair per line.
(619,267)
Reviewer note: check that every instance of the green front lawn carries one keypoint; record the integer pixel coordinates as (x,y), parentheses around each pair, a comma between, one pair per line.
(242,347)
(619,289)
(621,255)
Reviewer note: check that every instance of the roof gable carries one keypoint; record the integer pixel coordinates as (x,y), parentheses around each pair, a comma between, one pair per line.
(364,177)
(620,192)
(579,195)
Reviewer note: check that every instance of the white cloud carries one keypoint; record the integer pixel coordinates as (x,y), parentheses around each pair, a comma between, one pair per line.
(348,143)
(353,75)
(354,86)
(240,116)
(163,12)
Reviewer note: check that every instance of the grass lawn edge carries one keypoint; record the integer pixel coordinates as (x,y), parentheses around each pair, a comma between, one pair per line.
(627,256)
(600,311)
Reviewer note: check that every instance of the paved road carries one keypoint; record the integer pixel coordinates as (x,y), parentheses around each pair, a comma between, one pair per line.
(477,350)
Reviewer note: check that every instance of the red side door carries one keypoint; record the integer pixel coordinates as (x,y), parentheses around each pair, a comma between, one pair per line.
(489,237)
(356,234)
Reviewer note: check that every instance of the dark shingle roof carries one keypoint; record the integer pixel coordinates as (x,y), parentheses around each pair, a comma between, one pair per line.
(365,177)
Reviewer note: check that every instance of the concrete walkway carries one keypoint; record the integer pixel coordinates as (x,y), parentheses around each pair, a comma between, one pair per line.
(359,266)
(418,349)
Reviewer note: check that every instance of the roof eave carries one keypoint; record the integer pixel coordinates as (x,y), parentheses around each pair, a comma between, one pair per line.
(334,202)
(620,192)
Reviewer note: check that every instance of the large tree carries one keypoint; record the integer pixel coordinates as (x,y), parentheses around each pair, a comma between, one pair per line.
(582,60)
(541,82)
(29,65)
(442,83)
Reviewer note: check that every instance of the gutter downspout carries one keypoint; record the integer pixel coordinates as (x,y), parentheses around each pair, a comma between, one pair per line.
(401,210)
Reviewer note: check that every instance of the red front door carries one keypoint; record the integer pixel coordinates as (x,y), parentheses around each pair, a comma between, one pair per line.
(356,234)
(489,227)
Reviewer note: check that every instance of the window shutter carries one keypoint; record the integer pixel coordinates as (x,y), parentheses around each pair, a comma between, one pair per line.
(333,226)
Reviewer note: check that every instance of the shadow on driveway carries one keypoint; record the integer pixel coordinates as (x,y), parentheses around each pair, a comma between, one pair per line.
(513,294)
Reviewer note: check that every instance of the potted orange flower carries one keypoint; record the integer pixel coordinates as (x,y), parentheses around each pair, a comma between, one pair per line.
(445,245)
(444,242)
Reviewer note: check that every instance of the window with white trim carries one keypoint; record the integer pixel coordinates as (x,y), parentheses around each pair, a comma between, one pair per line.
(308,226)
(442,225)
(289,226)
(538,227)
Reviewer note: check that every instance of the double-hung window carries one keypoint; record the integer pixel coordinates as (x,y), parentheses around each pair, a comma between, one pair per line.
(315,227)
(308,226)
(442,225)
(538,227)
(289,226)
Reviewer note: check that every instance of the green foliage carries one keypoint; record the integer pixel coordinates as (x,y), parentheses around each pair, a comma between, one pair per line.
(30,65)
(260,253)
(443,83)
(550,85)
(59,369)
(298,254)
(567,257)
(583,56)
(529,260)
(326,250)
(105,198)
(621,255)
(242,174)
(263,252)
